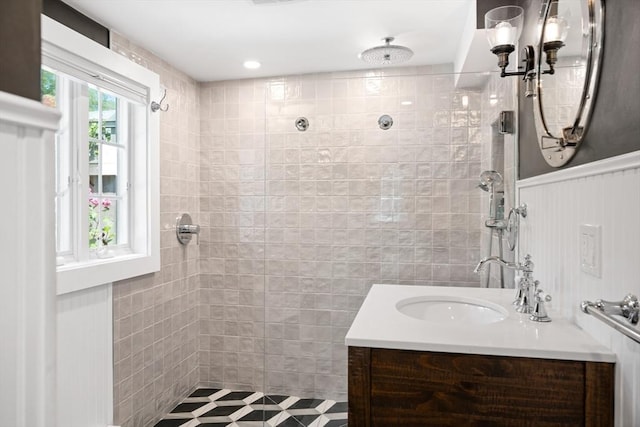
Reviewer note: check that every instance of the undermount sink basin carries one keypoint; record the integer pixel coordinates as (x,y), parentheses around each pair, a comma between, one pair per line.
(452,310)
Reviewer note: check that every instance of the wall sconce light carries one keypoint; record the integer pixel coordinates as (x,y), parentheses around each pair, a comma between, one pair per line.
(503,26)
(555,33)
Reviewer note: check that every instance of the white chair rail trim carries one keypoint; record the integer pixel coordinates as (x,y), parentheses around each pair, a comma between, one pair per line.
(27,112)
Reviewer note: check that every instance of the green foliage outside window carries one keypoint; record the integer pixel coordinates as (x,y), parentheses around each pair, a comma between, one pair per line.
(48,87)
(93,145)
(109,103)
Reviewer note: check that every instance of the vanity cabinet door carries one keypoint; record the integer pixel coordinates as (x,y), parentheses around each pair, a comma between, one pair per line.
(411,388)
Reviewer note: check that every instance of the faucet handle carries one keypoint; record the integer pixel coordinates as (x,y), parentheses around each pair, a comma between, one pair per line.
(527,265)
(539,313)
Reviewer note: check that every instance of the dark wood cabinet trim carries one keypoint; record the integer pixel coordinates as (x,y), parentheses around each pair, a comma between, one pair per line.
(599,389)
(359,386)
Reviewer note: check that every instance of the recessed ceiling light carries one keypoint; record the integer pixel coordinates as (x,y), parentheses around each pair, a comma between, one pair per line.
(251,65)
(406,103)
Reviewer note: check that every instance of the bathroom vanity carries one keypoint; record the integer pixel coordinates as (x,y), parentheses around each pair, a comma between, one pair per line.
(421,356)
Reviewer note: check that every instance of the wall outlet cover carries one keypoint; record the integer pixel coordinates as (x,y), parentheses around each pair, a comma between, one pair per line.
(591,249)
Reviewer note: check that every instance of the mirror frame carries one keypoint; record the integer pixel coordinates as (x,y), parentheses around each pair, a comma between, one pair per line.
(558,150)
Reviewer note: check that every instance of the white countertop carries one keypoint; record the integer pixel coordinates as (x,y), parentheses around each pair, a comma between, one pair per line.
(379,324)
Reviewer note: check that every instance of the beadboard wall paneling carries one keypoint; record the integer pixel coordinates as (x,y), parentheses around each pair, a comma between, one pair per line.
(85,358)
(604,193)
(27,254)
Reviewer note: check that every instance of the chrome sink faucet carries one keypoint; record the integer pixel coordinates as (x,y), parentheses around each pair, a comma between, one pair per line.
(497,260)
(527,288)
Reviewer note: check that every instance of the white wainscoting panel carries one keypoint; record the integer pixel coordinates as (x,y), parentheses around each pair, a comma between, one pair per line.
(604,193)
(27,263)
(85,358)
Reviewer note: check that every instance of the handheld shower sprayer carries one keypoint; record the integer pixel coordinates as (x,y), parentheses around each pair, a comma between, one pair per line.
(489,180)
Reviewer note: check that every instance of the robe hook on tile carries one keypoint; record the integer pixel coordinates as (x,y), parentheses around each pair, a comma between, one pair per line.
(155,106)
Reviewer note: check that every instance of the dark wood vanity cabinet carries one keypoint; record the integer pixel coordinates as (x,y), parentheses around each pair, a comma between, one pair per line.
(405,388)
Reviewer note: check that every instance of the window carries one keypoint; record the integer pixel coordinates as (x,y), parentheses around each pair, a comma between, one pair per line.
(106,151)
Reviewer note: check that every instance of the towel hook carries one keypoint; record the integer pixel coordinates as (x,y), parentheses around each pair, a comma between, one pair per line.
(155,106)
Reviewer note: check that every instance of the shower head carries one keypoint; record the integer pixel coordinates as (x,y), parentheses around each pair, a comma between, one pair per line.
(489,179)
(387,54)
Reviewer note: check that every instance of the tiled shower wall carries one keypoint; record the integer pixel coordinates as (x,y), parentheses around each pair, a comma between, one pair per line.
(155,316)
(300,224)
(232,248)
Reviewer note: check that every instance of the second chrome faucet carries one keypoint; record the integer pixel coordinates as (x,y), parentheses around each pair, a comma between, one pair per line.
(526,288)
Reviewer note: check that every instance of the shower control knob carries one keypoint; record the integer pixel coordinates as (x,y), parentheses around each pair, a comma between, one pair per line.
(185,229)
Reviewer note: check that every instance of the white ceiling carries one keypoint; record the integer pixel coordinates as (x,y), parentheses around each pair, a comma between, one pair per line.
(210,39)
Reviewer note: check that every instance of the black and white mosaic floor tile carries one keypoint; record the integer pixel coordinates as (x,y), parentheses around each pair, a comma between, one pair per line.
(209,407)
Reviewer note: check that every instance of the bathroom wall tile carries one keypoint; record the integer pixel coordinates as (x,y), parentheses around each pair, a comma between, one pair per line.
(155,316)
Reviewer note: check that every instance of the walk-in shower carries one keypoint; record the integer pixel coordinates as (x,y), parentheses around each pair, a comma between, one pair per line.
(296,226)
(310,220)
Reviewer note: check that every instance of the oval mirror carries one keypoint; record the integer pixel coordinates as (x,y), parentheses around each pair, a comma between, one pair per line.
(567,69)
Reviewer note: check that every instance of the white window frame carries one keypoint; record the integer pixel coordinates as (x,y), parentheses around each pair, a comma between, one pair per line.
(64,48)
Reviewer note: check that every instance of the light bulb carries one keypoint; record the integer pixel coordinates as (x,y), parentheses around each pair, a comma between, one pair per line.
(505,33)
(503,26)
(555,29)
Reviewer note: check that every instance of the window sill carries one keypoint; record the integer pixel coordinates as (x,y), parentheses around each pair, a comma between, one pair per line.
(84,275)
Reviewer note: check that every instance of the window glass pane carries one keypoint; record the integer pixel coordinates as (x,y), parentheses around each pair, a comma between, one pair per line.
(95,150)
(110,169)
(48,83)
(109,117)
(102,224)
(55,93)
(94,101)
(109,212)
(64,192)
(107,169)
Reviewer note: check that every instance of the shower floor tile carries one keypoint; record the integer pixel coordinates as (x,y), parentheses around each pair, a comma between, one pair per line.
(210,407)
